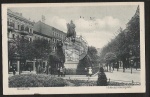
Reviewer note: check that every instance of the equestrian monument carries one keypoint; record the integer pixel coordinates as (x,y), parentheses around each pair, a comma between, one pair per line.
(75,48)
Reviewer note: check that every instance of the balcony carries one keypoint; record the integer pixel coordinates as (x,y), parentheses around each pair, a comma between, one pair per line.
(10,40)
(10,25)
(23,32)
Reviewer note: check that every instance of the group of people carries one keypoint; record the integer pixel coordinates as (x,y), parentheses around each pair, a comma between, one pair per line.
(13,69)
(61,71)
(88,71)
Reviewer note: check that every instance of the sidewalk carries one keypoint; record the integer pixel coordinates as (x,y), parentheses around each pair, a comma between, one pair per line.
(115,75)
(125,76)
(23,72)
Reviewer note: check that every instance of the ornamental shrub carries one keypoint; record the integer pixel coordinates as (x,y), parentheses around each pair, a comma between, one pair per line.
(102,79)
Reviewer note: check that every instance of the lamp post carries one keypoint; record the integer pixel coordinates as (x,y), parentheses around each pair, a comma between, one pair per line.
(131,60)
(35,65)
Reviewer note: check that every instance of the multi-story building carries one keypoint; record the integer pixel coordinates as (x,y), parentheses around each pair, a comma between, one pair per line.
(20,27)
(17,27)
(42,30)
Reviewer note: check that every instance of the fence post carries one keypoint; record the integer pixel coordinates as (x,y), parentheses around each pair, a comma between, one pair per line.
(88,81)
(109,80)
(132,82)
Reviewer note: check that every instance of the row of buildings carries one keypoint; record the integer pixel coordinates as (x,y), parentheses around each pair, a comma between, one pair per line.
(21,27)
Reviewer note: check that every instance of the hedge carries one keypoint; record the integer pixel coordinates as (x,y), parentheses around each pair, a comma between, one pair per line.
(41,80)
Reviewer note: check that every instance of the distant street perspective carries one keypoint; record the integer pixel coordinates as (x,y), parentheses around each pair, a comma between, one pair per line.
(74,46)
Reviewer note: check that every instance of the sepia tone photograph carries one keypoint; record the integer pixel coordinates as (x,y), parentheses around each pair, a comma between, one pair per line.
(76,48)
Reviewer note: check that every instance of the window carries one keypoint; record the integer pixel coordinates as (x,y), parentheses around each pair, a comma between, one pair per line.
(22,27)
(30,30)
(54,48)
(9,34)
(30,39)
(53,40)
(13,35)
(18,27)
(27,29)
(17,36)
(22,37)
(44,65)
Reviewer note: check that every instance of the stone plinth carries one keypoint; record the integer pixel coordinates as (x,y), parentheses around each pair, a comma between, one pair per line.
(72,65)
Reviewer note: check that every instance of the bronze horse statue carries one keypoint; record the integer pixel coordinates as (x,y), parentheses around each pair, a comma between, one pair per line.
(71,33)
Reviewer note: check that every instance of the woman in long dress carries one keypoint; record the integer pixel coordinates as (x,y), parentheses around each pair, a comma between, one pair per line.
(90,71)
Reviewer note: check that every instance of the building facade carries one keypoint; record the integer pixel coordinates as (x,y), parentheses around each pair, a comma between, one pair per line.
(20,27)
(42,30)
(51,34)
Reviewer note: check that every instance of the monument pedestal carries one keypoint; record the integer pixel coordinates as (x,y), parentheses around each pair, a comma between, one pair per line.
(71,67)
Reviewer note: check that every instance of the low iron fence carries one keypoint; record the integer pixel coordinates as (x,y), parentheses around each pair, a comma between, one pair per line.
(112,82)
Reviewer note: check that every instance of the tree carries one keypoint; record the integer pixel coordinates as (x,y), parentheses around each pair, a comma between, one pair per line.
(90,60)
(127,40)
(84,63)
(110,58)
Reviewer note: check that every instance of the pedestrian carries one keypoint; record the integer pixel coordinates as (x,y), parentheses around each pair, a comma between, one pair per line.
(86,71)
(39,69)
(29,68)
(90,71)
(49,69)
(61,71)
(58,71)
(14,70)
(64,71)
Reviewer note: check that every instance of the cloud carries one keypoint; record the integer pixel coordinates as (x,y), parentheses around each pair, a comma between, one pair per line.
(97,39)
(107,23)
(58,23)
(97,32)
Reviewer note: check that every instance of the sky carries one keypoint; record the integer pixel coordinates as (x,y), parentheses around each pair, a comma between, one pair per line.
(96,24)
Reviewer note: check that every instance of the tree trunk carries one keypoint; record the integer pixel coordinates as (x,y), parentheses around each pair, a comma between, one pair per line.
(123,61)
(117,65)
(136,65)
(107,67)
(113,66)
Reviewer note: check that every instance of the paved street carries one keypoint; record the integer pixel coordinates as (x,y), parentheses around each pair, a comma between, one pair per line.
(115,75)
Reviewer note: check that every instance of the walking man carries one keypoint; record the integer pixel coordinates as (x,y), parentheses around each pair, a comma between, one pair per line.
(58,71)
(61,71)
(14,70)
(64,71)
